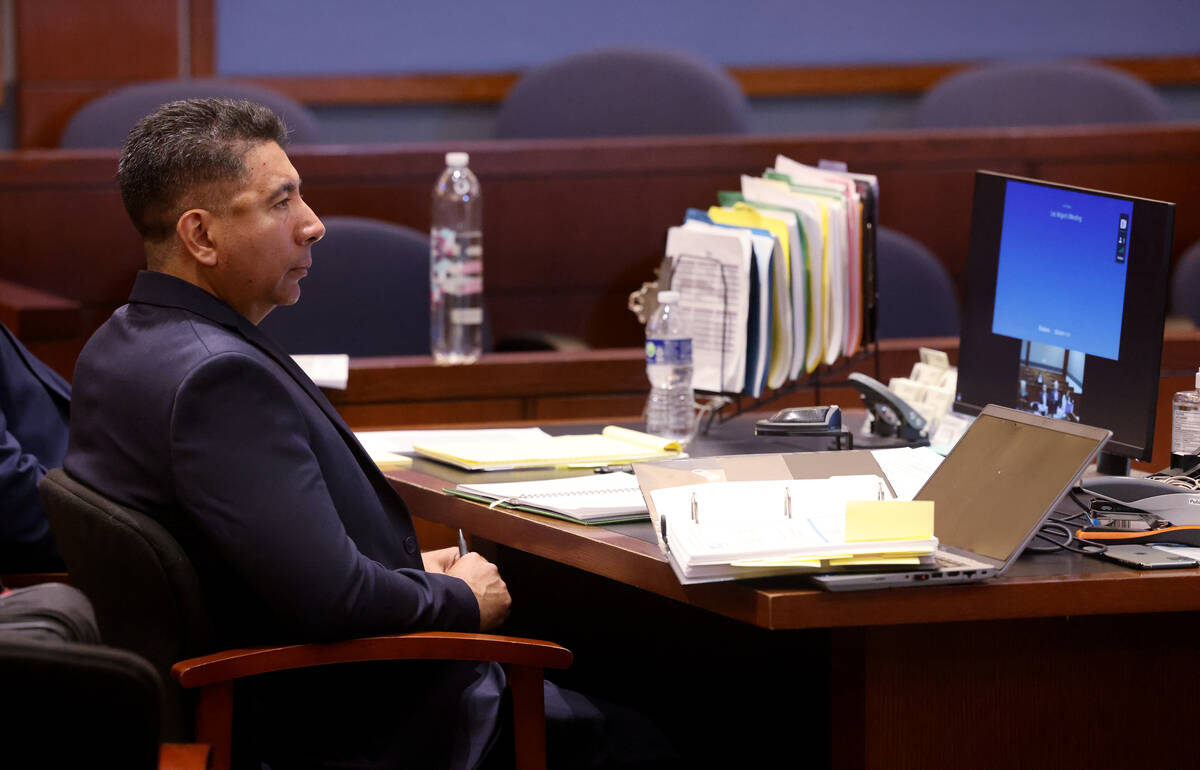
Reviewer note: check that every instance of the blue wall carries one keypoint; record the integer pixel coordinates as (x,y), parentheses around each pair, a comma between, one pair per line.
(384,36)
(319,37)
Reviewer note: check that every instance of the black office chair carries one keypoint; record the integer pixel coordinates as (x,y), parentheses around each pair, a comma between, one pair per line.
(623,92)
(1039,93)
(147,599)
(106,120)
(916,295)
(69,701)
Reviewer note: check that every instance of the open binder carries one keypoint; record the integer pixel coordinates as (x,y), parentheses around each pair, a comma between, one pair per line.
(607,498)
(747,516)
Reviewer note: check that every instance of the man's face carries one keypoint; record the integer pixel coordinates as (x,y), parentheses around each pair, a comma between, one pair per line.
(263,236)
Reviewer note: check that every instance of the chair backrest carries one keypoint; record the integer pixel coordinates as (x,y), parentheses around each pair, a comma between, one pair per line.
(70,705)
(1185,284)
(367,293)
(1039,93)
(143,587)
(916,295)
(623,92)
(106,120)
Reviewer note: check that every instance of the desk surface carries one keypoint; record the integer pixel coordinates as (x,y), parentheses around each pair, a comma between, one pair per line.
(1041,585)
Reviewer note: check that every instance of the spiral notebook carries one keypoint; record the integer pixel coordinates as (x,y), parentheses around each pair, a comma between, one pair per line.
(606,498)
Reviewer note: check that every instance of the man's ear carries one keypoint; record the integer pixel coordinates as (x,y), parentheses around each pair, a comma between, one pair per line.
(193,231)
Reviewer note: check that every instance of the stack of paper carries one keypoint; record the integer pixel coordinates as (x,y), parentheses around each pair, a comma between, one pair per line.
(391,449)
(739,529)
(606,498)
(778,278)
(614,445)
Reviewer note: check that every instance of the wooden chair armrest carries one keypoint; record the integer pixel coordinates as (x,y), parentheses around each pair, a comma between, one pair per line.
(183,756)
(523,659)
(431,645)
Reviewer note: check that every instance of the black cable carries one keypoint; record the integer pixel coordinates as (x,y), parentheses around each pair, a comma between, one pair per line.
(1059,537)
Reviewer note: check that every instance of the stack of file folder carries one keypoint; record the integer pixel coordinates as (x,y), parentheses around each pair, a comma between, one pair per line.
(777,278)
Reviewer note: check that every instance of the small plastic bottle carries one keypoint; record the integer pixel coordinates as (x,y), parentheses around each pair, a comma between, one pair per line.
(670,410)
(1185,428)
(456,265)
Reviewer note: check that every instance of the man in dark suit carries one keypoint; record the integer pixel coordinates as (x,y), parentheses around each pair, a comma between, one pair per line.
(35,407)
(185,410)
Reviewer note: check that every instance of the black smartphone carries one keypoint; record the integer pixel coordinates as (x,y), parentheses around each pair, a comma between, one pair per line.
(1147,557)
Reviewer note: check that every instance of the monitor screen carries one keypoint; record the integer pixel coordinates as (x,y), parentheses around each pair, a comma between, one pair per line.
(1066,293)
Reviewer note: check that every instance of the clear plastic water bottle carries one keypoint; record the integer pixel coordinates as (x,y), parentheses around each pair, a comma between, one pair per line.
(670,410)
(456,265)
(1185,428)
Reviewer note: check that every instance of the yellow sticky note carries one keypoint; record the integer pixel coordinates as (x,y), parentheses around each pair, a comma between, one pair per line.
(888,520)
(872,561)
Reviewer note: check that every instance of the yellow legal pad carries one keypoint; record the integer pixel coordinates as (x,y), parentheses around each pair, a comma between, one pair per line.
(613,445)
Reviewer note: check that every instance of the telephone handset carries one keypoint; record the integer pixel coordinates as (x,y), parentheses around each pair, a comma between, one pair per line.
(890,414)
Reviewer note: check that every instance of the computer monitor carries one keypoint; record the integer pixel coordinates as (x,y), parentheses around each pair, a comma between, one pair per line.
(1066,294)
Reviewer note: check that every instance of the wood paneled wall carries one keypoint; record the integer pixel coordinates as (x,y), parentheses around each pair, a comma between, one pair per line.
(573,226)
(69,52)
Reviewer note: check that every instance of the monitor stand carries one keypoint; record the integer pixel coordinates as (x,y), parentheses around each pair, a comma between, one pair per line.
(1110,464)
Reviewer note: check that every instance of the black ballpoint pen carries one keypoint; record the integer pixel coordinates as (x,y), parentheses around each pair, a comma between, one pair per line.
(462,544)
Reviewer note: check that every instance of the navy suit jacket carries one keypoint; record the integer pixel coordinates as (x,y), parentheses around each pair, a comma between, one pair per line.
(35,405)
(188,412)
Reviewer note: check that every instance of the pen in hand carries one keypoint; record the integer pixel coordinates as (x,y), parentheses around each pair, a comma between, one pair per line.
(462,544)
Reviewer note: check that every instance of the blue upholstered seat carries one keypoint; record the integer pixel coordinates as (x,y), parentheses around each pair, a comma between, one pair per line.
(367,293)
(106,120)
(1185,284)
(916,296)
(1039,93)
(623,92)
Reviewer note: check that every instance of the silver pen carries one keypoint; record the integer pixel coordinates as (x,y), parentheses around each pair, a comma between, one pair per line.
(462,544)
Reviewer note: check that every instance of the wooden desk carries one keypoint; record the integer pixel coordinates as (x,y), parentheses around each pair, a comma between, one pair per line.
(610,384)
(1032,669)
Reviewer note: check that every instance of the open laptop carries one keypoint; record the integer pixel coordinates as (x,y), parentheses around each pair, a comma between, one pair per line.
(991,494)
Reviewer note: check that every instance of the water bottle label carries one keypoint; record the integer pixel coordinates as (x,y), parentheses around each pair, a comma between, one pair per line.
(467,316)
(676,351)
(457,265)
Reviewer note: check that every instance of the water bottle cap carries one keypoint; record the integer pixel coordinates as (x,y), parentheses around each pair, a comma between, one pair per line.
(667,296)
(457,159)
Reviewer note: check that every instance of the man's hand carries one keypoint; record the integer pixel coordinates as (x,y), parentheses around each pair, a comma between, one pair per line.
(491,593)
(441,560)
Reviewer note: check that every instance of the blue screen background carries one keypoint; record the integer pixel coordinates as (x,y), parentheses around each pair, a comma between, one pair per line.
(1058,280)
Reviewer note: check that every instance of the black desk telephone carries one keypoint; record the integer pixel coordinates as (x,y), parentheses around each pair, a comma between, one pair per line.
(891,417)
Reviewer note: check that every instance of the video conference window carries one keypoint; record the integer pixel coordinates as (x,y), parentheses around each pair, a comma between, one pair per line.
(1061,274)
(1063,314)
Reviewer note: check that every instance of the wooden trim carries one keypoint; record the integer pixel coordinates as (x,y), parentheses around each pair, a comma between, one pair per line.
(766,82)
(430,88)
(202,42)
(756,82)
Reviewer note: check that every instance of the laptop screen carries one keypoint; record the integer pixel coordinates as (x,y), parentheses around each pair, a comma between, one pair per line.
(1003,475)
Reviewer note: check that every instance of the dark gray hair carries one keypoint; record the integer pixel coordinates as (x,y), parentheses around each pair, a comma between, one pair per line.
(182,149)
